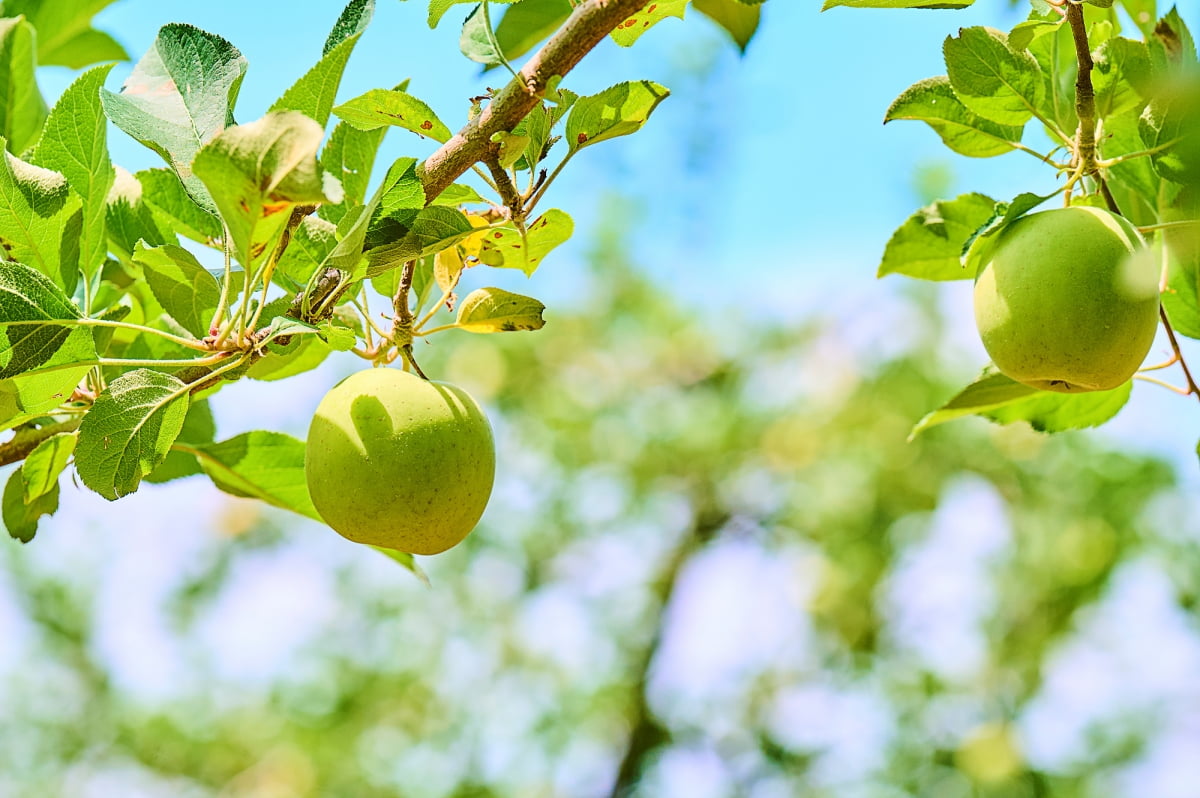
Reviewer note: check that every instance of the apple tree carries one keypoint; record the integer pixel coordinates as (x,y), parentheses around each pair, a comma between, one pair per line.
(1106,94)
(113,333)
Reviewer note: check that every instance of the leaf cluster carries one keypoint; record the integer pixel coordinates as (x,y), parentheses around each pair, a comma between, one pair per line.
(256,251)
(1114,117)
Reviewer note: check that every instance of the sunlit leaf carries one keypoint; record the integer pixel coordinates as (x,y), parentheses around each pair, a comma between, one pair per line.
(179,97)
(129,430)
(490,310)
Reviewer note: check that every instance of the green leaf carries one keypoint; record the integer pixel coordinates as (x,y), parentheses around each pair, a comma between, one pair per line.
(1172,44)
(651,14)
(181,285)
(22,109)
(268,466)
(64,32)
(311,244)
(39,220)
(411,234)
(1026,33)
(527,23)
(50,384)
(1138,175)
(934,102)
(1054,51)
(617,111)
(509,248)
(929,245)
(314,93)
(198,428)
(128,219)
(43,465)
(21,519)
(382,107)
(739,20)
(302,354)
(29,307)
(1121,77)
(257,172)
(129,431)
(338,338)
(165,195)
(1172,122)
(458,194)
(978,247)
(406,560)
(179,97)
(1181,300)
(400,199)
(1003,400)
(349,155)
(477,39)
(438,8)
(74,143)
(895,4)
(423,282)
(991,78)
(490,310)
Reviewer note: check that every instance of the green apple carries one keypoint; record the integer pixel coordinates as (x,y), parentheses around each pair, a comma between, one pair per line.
(396,461)
(1067,300)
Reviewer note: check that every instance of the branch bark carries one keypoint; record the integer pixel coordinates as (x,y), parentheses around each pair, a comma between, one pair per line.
(647,733)
(25,441)
(1085,93)
(584,29)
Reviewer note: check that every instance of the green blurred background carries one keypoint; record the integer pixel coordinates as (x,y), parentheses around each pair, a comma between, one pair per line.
(712,567)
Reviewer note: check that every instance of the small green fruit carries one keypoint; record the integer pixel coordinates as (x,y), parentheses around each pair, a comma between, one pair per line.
(393,460)
(1067,300)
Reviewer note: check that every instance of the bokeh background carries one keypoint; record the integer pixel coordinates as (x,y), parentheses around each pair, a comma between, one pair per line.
(712,566)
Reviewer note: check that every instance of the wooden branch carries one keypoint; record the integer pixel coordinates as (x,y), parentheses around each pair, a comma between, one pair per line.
(23,442)
(1085,94)
(587,26)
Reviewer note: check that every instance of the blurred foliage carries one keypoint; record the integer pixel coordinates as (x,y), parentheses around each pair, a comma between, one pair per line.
(641,445)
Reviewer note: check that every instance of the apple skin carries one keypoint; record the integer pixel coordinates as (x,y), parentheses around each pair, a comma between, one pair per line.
(396,461)
(1068,300)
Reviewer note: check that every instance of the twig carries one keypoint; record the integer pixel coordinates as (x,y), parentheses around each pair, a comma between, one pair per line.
(584,29)
(1187,373)
(508,192)
(24,442)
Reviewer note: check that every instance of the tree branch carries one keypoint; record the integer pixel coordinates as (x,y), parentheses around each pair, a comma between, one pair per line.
(23,442)
(584,29)
(1085,93)
(648,733)
(1187,373)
